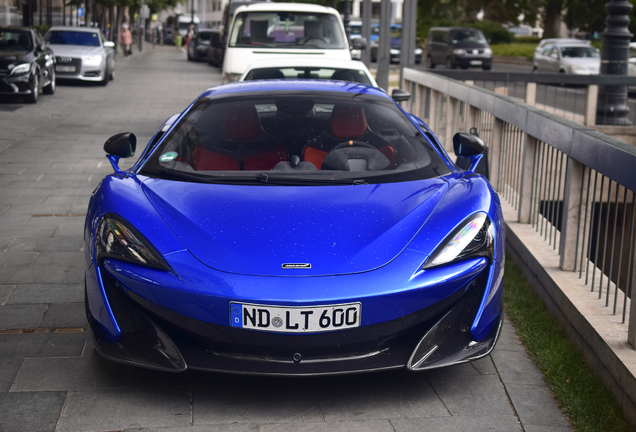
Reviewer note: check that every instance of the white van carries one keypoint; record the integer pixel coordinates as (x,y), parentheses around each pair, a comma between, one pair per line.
(268,30)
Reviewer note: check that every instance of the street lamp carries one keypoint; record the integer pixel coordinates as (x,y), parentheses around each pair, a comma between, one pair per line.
(612,106)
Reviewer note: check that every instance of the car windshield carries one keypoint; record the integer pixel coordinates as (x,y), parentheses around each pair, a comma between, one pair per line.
(287,30)
(295,139)
(303,72)
(15,40)
(204,36)
(68,37)
(467,35)
(579,52)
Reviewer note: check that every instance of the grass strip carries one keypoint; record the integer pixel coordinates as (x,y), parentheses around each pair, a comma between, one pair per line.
(580,392)
(514,50)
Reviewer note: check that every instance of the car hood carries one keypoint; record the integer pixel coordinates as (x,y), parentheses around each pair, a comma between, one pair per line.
(76,50)
(470,44)
(582,61)
(256,229)
(12,57)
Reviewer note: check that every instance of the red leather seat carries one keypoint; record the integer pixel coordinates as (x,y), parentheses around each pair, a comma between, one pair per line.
(246,146)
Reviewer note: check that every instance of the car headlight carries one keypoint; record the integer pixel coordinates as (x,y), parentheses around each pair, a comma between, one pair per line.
(458,51)
(487,51)
(475,238)
(114,239)
(21,69)
(394,51)
(418,51)
(93,60)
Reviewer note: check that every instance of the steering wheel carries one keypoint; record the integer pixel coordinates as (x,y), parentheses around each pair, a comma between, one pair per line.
(338,157)
(321,39)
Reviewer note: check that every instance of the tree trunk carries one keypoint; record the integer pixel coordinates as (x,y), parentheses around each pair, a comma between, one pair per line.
(552,20)
(88,13)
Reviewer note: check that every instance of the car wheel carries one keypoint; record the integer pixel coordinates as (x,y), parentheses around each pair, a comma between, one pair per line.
(535,70)
(50,88)
(487,67)
(106,79)
(449,63)
(35,90)
(112,75)
(429,62)
(189,57)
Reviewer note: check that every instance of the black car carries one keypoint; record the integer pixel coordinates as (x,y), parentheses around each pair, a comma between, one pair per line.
(27,64)
(198,45)
(216,49)
(458,46)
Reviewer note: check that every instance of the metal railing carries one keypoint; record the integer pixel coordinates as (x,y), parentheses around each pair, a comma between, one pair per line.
(574,97)
(573,185)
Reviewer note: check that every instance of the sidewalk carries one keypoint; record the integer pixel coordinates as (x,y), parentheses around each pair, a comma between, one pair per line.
(51,379)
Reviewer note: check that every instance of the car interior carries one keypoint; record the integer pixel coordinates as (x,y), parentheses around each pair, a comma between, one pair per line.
(294,134)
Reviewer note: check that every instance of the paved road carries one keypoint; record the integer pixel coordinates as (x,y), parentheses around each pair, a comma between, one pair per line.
(51,159)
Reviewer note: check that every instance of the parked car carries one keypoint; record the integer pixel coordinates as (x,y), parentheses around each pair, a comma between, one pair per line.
(82,53)
(294,227)
(198,45)
(550,41)
(458,47)
(27,64)
(309,68)
(395,50)
(265,30)
(167,36)
(214,54)
(572,58)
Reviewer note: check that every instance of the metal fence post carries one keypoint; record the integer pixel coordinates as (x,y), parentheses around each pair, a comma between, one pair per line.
(494,150)
(527,170)
(432,109)
(591,99)
(472,118)
(531,93)
(451,107)
(570,214)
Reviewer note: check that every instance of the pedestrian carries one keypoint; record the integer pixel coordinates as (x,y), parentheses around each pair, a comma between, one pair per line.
(189,35)
(126,40)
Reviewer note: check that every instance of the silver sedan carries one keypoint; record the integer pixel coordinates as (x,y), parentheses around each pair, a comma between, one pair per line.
(82,53)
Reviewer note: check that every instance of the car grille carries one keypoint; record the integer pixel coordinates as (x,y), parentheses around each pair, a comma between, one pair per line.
(67,62)
(474,51)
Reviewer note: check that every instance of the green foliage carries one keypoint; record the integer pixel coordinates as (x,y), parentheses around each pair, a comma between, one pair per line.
(579,391)
(514,50)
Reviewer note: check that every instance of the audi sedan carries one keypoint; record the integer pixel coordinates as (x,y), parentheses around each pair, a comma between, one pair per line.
(82,53)
(294,227)
(27,64)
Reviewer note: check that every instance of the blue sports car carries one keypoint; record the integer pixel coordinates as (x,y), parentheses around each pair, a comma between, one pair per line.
(294,228)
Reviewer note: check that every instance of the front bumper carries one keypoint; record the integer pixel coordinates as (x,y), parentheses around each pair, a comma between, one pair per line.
(160,337)
(465,61)
(16,85)
(74,69)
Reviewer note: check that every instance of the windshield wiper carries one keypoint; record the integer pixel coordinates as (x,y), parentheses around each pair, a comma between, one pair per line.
(306,180)
(199,178)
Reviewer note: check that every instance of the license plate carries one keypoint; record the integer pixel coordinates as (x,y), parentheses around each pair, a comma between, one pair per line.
(65,68)
(290,319)
(475,62)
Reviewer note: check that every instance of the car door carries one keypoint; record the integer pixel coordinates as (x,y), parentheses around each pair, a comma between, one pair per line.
(41,57)
(543,59)
(552,60)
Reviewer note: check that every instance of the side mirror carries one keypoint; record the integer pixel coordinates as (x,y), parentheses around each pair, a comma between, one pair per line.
(121,145)
(109,44)
(359,43)
(468,145)
(400,95)
(42,46)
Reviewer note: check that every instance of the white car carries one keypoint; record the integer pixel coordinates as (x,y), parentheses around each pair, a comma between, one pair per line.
(266,30)
(82,53)
(572,58)
(299,67)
